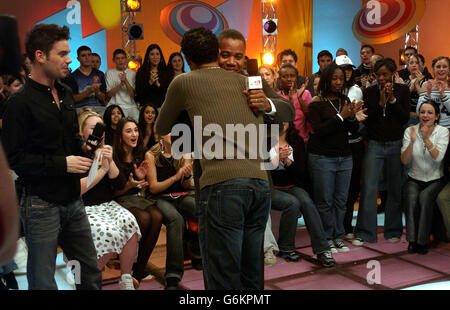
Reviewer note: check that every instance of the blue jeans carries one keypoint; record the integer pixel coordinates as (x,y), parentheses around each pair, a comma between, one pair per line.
(331,182)
(232,218)
(45,226)
(293,201)
(379,155)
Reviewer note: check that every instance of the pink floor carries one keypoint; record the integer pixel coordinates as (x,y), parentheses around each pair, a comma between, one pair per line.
(398,269)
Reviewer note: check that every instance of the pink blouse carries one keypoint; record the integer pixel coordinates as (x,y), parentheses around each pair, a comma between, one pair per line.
(300,119)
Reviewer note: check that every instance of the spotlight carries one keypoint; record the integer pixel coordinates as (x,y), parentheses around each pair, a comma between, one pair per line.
(135,32)
(270,27)
(134,64)
(133,6)
(268,58)
(401,58)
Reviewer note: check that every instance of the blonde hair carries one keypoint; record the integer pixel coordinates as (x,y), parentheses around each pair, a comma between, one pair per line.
(155,150)
(274,74)
(84,114)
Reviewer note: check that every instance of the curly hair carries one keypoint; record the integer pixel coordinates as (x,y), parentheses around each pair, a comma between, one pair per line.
(138,151)
(200,46)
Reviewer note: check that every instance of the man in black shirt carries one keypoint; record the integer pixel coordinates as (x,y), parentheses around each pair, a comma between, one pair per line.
(40,136)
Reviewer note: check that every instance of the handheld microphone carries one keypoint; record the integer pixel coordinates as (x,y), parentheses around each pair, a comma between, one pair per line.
(95,138)
(254,80)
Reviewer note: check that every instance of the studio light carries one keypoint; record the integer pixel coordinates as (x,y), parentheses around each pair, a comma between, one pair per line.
(133,6)
(135,32)
(134,64)
(268,58)
(270,27)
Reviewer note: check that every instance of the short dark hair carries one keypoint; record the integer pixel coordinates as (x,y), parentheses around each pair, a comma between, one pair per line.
(368,46)
(389,63)
(341,50)
(96,55)
(43,36)
(287,53)
(230,34)
(119,51)
(288,66)
(324,87)
(411,48)
(82,49)
(324,53)
(200,46)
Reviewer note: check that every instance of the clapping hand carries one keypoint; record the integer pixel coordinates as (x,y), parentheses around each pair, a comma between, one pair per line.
(302,89)
(137,183)
(141,172)
(413,134)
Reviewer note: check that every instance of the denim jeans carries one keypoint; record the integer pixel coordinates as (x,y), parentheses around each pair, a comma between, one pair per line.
(443,202)
(45,226)
(419,200)
(379,155)
(293,202)
(331,181)
(174,212)
(232,218)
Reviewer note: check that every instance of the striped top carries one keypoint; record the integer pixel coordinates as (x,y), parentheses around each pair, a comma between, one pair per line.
(444,104)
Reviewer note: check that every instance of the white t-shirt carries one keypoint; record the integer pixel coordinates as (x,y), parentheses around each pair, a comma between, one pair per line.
(112,80)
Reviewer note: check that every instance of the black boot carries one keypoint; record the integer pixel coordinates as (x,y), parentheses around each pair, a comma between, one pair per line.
(412,247)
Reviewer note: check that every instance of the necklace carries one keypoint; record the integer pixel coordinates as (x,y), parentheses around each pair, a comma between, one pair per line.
(337,110)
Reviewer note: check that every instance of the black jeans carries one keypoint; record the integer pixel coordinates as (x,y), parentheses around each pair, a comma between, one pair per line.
(419,199)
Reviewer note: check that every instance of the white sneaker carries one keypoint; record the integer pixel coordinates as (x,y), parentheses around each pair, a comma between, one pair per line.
(126,282)
(349,236)
(394,240)
(357,242)
(332,247)
(340,246)
(269,258)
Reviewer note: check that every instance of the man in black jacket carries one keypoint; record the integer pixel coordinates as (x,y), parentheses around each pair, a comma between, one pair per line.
(40,137)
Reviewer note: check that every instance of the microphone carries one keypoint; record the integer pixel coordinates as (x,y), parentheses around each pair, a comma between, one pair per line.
(95,138)
(254,80)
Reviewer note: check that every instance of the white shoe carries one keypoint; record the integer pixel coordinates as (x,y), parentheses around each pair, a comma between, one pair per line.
(269,258)
(126,282)
(333,249)
(357,242)
(349,236)
(340,246)
(394,240)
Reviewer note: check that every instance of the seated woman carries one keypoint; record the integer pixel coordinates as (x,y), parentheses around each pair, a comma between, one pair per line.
(169,181)
(114,229)
(424,145)
(128,190)
(300,98)
(113,114)
(289,158)
(147,120)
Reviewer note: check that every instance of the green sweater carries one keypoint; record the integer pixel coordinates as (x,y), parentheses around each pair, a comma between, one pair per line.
(217,96)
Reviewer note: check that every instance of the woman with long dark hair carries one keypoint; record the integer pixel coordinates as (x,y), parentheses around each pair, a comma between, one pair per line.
(175,65)
(332,117)
(147,120)
(129,155)
(112,115)
(151,78)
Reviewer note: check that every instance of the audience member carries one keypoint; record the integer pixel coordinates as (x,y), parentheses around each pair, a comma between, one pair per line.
(405,73)
(438,89)
(114,229)
(332,116)
(424,145)
(364,69)
(120,83)
(341,51)
(387,106)
(175,65)
(443,199)
(169,182)
(269,75)
(91,86)
(96,61)
(300,98)
(130,190)
(152,78)
(113,114)
(289,56)
(289,158)
(42,143)
(147,120)
(324,58)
